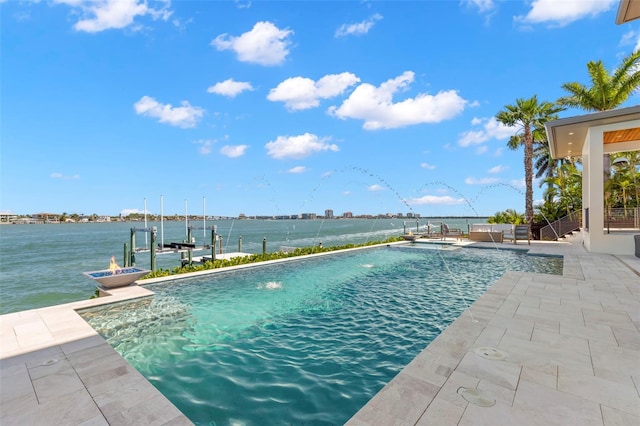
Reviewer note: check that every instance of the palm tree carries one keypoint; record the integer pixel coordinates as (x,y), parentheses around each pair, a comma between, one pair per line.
(624,182)
(607,91)
(507,216)
(527,115)
(565,188)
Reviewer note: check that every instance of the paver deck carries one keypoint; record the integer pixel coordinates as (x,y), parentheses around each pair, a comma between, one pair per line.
(537,349)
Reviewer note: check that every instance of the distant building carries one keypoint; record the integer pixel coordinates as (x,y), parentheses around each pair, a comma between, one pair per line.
(328,214)
(309,216)
(47,217)
(8,218)
(347,215)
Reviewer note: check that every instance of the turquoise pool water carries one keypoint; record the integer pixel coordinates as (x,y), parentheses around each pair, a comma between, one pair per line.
(304,342)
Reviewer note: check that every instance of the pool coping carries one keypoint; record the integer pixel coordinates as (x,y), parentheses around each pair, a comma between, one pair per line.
(62,371)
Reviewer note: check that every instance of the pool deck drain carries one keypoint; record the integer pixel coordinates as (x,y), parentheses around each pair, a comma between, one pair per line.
(571,346)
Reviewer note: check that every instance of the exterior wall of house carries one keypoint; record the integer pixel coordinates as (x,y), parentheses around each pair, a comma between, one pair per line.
(595,237)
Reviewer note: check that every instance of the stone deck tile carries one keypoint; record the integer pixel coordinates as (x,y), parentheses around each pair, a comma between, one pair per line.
(621,396)
(536,405)
(55,369)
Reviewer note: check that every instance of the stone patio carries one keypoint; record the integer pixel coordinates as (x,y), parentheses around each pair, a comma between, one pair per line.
(538,349)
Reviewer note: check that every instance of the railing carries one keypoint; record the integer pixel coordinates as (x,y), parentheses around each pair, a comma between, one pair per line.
(561,227)
(621,219)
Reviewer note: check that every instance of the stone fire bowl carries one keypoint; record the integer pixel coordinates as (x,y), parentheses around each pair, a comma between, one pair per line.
(121,278)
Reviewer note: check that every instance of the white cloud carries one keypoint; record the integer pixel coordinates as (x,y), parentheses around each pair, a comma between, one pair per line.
(233,151)
(375,187)
(427,166)
(481,149)
(265,44)
(435,200)
(358,28)
(491,129)
(298,147)
(518,183)
(127,212)
(242,4)
(300,93)
(483,6)
(205,146)
(182,116)
(56,175)
(230,88)
(481,181)
(631,37)
(498,169)
(100,15)
(375,105)
(297,169)
(181,24)
(563,12)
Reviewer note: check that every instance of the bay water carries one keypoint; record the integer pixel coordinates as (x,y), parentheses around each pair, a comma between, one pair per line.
(42,265)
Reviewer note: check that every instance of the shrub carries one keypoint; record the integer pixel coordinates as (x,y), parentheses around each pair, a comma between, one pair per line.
(255,258)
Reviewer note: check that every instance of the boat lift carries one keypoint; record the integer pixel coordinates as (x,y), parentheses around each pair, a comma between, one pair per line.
(183,247)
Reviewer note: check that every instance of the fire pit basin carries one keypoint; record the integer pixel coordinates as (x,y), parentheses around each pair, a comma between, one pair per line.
(120,278)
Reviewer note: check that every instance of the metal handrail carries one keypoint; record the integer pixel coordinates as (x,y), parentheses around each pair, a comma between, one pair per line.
(622,219)
(562,226)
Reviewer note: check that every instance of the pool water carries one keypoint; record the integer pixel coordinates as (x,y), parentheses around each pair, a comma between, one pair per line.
(303,342)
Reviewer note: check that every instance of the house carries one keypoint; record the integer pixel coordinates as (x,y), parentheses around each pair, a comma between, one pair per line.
(590,136)
(46,217)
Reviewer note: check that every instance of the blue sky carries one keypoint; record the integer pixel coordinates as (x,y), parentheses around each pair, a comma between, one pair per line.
(274,107)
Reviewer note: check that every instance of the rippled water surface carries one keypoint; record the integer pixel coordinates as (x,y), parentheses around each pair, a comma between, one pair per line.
(306,342)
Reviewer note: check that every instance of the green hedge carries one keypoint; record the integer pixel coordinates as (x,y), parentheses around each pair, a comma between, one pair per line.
(254,258)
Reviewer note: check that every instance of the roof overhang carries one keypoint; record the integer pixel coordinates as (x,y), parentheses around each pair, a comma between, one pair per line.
(567,135)
(628,10)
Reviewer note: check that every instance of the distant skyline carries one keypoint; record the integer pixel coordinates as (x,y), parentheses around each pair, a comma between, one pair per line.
(279,108)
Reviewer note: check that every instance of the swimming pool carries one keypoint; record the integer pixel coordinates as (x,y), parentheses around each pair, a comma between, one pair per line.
(303,342)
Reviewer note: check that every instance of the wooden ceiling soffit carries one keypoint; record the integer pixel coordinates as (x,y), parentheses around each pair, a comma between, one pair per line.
(626,135)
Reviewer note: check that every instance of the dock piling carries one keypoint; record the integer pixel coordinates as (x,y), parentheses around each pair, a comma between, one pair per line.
(132,252)
(213,244)
(154,240)
(189,240)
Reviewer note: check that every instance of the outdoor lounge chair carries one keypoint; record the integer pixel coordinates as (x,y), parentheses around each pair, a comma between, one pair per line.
(450,232)
(522,232)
